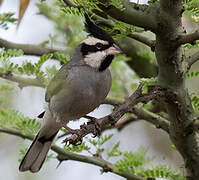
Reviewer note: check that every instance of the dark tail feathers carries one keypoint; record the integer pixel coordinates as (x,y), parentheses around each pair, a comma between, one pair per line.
(35,157)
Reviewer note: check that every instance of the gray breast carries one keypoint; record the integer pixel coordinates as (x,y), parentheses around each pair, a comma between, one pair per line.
(85,90)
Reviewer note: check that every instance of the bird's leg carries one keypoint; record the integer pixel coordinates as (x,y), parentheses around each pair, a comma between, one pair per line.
(74,138)
(71,131)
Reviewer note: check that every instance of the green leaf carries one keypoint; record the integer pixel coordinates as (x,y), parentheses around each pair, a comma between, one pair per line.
(163,172)
(77,148)
(131,161)
(104,139)
(192,74)
(14,119)
(5,19)
(114,151)
(62,57)
(92,141)
(118,4)
(72,10)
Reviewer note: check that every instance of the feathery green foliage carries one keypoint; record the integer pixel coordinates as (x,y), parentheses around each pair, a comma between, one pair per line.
(5,19)
(114,151)
(117,3)
(131,161)
(195,101)
(27,67)
(162,172)
(13,118)
(191,7)
(68,24)
(99,142)
(79,148)
(62,57)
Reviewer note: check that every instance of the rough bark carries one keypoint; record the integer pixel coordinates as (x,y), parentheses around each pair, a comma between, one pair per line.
(171,75)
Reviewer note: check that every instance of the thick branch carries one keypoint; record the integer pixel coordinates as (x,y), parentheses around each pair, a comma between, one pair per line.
(67,155)
(110,24)
(172,76)
(143,40)
(188,38)
(134,14)
(28,49)
(143,66)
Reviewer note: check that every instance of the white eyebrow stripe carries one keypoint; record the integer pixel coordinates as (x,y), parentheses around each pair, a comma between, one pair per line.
(92,41)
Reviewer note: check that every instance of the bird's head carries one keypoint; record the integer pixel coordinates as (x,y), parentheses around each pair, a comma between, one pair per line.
(99,48)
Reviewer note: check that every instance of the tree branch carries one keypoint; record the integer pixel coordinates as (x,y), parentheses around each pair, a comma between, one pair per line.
(143,39)
(110,24)
(28,49)
(155,119)
(188,38)
(141,114)
(133,13)
(22,82)
(100,124)
(191,60)
(172,76)
(67,155)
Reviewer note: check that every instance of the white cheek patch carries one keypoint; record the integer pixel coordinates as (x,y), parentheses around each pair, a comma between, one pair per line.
(95,59)
(92,41)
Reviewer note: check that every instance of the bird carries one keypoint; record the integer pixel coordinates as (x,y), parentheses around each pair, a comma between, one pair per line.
(79,87)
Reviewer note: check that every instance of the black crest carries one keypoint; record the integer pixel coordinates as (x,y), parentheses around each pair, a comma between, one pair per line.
(96,31)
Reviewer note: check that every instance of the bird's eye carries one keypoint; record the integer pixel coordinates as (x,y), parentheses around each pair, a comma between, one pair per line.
(99,45)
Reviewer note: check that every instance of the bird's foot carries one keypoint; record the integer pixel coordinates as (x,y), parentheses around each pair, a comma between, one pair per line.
(74,139)
(97,130)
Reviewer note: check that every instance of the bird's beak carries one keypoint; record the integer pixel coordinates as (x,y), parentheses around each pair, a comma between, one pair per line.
(114,50)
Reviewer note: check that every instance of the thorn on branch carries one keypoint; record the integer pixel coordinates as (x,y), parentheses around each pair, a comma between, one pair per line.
(60,160)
